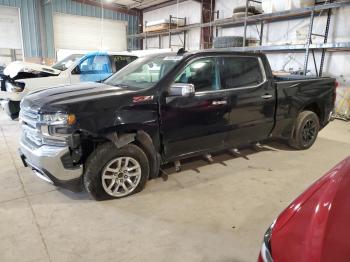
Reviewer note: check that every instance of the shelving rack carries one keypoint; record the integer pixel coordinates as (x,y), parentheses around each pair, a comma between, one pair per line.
(263,19)
(168,32)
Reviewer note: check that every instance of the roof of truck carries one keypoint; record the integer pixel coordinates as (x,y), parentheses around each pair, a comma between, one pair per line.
(206,51)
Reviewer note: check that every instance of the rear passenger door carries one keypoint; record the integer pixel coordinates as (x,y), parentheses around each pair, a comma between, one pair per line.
(251,99)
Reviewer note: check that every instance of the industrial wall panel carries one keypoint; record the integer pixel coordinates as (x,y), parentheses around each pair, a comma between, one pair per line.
(76,8)
(37,44)
(88,33)
(30,26)
(10,22)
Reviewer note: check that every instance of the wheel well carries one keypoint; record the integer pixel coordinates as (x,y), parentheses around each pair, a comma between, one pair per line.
(316,109)
(139,138)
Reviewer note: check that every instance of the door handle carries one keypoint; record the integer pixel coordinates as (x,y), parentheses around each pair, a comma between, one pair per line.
(219,102)
(267,96)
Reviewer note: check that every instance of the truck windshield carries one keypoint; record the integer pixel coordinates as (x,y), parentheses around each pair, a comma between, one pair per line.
(67,62)
(144,73)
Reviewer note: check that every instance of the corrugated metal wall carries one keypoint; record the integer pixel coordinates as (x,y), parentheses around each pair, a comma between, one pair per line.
(30,26)
(33,12)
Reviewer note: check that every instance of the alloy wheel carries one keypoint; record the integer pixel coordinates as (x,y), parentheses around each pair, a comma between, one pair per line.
(121,176)
(309,131)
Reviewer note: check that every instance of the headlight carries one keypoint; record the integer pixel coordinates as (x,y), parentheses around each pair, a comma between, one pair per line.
(266,246)
(15,87)
(58,119)
(55,128)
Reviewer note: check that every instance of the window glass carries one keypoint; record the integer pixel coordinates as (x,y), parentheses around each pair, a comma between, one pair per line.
(144,73)
(240,72)
(119,61)
(98,64)
(202,73)
(67,62)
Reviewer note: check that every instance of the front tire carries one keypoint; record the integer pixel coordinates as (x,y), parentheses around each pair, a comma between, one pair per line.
(113,172)
(306,130)
(12,109)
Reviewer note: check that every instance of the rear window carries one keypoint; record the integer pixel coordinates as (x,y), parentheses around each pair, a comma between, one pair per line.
(240,72)
(120,61)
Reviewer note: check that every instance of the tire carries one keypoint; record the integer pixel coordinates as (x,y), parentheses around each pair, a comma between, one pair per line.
(228,41)
(96,177)
(306,130)
(12,109)
(251,9)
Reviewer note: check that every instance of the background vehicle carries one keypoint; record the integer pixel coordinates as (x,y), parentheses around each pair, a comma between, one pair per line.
(21,78)
(315,226)
(163,108)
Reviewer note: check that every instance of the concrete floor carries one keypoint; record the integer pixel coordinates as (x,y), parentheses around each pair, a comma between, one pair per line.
(215,212)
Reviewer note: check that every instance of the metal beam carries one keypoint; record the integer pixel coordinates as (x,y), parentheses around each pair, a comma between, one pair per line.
(344,46)
(110,6)
(208,8)
(161,5)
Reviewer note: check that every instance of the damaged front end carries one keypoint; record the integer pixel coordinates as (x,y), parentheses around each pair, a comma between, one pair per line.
(12,83)
(22,70)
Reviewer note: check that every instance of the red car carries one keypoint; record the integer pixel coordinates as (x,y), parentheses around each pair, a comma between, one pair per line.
(316,226)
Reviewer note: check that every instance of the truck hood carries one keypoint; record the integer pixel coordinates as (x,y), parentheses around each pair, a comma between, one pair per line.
(14,68)
(63,97)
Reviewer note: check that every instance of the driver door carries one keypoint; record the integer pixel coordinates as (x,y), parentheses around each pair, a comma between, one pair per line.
(191,124)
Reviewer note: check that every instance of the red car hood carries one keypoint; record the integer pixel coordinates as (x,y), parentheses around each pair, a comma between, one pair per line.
(316,226)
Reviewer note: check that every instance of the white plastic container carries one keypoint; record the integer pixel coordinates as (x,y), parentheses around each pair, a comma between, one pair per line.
(270,6)
(267,6)
(301,3)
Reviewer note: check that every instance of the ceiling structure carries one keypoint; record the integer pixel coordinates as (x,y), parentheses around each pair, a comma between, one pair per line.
(138,4)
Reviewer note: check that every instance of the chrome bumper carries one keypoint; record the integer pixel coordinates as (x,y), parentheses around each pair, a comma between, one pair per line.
(46,162)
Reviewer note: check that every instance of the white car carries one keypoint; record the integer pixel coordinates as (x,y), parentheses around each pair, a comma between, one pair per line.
(21,78)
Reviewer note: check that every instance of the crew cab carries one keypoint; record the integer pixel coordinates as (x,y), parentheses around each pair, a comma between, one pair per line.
(111,137)
(20,78)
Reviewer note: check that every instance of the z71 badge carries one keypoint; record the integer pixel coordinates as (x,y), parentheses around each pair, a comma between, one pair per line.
(138,99)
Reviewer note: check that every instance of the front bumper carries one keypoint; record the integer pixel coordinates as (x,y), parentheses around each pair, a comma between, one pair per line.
(47,163)
(4,95)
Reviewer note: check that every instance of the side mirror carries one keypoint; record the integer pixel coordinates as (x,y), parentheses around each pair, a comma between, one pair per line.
(179,89)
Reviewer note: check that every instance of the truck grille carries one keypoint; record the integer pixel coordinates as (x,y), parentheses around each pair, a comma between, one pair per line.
(31,135)
(29,117)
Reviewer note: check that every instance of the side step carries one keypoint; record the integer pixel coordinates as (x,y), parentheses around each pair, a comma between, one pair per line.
(236,152)
(208,158)
(177,165)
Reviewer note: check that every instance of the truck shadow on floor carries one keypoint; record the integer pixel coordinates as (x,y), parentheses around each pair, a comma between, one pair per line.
(196,163)
(220,157)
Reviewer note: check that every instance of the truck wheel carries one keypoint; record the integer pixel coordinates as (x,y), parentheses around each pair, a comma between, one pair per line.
(306,130)
(113,172)
(12,109)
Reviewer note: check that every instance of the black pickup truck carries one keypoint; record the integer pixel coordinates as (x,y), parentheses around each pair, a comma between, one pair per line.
(111,137)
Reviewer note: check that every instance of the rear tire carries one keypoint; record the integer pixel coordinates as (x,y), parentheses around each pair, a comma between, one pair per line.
(306,130)
(113,172)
